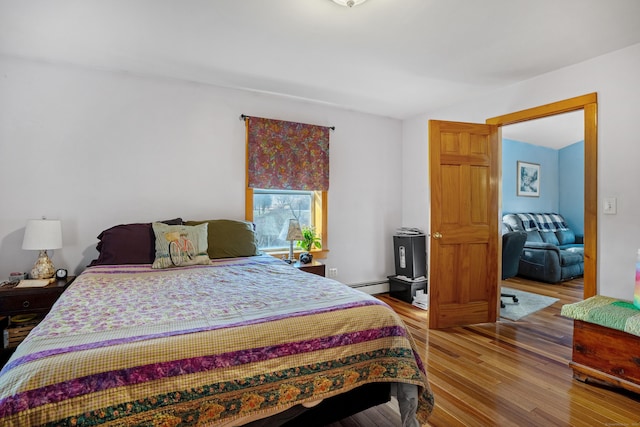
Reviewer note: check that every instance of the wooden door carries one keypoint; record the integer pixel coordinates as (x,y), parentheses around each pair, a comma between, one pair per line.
(464,235)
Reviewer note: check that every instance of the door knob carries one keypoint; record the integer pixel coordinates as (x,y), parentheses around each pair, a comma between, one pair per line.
(437,235)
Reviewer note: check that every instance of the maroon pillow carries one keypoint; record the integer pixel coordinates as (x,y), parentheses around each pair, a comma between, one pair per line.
(128,244)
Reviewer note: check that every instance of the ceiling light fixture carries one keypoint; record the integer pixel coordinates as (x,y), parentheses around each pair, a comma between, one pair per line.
(349,3)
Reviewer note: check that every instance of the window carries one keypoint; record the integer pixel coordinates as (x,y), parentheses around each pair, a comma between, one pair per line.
(271,210)
(287,177)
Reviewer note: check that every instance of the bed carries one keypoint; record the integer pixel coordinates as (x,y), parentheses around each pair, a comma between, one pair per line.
(227,342)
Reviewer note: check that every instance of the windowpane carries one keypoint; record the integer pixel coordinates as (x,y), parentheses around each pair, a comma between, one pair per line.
(272,210)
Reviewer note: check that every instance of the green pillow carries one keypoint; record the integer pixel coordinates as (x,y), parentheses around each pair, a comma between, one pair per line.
(180,245)
(229,238)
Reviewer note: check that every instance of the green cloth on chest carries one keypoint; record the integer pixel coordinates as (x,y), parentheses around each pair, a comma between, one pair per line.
(606,311)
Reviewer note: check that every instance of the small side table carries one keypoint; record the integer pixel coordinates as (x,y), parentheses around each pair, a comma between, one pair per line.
(405,290)
(31,300)
(314,267)
(14,301)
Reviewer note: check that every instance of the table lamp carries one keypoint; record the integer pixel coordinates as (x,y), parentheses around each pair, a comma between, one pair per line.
(294,233)
(40,235)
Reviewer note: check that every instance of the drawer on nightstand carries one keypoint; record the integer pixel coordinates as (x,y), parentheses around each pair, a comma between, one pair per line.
(28,302)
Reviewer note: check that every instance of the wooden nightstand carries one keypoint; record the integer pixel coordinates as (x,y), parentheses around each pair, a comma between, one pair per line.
(14,301)
(31,300)
(314,267)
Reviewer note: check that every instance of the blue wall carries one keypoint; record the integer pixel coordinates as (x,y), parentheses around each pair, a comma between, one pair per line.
(561,181)
(547,158)
(571,176)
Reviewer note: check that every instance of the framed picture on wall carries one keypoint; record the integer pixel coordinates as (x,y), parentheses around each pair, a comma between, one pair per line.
(528,176)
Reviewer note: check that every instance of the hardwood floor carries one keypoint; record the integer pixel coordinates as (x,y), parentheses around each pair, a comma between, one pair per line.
(508,373)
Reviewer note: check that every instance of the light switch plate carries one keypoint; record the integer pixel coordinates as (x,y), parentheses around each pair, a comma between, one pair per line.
(610,206)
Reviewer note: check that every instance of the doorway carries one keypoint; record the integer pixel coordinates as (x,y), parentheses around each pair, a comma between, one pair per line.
(588,105)
(452,301)
(555,145)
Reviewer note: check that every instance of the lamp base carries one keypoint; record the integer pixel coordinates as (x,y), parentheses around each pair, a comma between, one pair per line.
(43,269)
(291,260)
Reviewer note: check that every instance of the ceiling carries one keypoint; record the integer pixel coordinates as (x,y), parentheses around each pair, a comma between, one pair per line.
(395,58)
(554,131)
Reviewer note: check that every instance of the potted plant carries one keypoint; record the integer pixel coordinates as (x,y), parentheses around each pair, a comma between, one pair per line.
(309,240)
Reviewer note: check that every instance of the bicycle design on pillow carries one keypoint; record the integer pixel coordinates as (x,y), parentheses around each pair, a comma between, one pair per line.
(181,249)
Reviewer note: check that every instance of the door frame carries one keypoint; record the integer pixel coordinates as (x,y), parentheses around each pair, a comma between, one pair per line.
(589,104)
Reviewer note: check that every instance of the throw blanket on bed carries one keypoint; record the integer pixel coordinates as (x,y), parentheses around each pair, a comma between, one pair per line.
(606,311)
(542,222)
(201,345)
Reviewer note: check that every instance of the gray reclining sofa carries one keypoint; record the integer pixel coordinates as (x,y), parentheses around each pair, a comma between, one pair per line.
(552,252)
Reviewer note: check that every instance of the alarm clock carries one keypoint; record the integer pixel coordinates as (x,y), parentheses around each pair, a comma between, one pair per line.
(305,258)
(61,273)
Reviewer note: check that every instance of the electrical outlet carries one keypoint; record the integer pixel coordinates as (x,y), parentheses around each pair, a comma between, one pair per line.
(333,272)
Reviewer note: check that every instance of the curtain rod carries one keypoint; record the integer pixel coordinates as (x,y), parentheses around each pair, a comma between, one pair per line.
(245,117)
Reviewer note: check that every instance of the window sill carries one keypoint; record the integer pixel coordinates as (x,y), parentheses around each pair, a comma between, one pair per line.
(317,254)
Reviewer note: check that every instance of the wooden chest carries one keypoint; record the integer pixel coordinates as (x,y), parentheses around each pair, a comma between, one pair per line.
(606,356)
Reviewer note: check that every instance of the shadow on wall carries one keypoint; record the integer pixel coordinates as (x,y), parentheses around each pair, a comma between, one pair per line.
(11,250)
(88,255)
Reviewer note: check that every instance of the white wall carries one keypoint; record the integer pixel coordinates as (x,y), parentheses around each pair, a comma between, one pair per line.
(616,80)
(415,171)
(96,148)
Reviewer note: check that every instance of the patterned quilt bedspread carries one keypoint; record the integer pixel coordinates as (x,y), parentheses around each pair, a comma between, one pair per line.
(202,345)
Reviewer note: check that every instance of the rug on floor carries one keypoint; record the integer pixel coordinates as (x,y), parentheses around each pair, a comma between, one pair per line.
(527,304)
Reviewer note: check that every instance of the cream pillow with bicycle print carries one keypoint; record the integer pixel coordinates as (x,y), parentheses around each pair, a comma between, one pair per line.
(180,245)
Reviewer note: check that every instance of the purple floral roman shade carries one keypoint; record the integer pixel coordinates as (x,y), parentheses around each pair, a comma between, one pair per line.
(287,155)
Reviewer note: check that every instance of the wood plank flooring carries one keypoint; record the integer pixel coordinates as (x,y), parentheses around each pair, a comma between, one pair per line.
(508,373)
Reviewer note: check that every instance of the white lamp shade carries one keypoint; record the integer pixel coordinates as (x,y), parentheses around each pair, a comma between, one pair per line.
(42,234)
(294,232)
